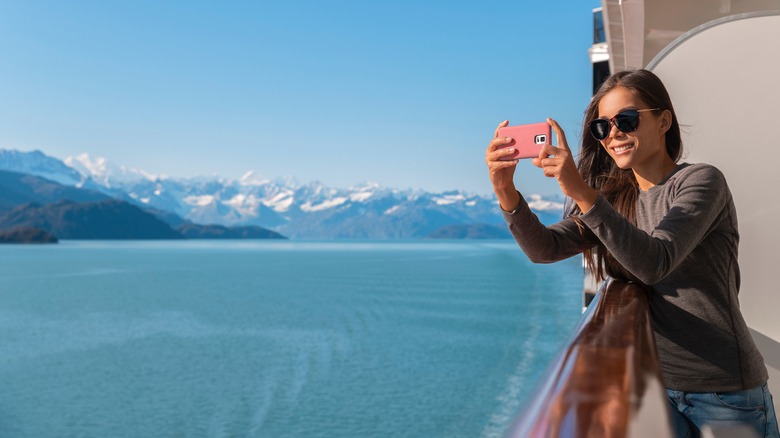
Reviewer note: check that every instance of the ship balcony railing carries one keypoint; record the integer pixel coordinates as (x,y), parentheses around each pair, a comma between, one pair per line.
(607,382)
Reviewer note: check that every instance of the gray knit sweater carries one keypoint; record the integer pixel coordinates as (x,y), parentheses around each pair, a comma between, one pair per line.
(685,248)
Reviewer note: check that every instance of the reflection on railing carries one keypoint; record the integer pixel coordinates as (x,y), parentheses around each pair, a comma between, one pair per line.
(607,383)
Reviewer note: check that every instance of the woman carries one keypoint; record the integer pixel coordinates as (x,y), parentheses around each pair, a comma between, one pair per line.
(637,215)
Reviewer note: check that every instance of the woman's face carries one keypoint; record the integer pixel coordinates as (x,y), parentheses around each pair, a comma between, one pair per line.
(641,148)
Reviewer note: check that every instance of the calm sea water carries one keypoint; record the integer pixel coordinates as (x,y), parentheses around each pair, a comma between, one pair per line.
(275,339)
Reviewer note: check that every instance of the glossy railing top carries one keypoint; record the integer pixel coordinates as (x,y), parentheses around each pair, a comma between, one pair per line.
(607,382)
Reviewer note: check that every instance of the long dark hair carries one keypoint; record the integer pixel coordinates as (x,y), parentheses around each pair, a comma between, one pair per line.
(619,186)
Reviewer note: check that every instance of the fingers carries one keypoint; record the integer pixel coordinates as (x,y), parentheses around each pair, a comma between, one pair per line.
(549,150)
(500,147)
(499,142)
(500,125)
(495,163)
(551,157)
(496,155)
(562,143)
(551,167)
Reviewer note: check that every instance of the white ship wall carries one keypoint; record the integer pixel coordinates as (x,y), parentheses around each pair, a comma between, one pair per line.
(724,80)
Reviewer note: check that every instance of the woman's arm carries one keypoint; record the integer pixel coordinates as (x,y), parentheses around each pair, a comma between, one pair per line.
(545,244)
(700,196)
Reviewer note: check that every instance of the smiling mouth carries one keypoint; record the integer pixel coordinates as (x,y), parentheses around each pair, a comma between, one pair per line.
(621,149)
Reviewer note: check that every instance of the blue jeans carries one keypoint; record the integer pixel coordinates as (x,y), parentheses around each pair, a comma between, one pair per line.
(691,411)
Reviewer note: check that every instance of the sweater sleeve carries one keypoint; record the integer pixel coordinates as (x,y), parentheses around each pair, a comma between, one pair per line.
(544,244)
(700,197)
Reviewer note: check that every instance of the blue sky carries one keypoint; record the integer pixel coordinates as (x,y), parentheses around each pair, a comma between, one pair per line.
(403,93)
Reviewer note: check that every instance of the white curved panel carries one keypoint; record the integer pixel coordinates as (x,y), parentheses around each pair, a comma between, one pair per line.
(724,81)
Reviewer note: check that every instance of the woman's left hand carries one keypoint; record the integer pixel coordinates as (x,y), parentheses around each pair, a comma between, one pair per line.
(558,163)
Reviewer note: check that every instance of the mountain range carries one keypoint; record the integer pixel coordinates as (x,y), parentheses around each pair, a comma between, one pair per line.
(311,211)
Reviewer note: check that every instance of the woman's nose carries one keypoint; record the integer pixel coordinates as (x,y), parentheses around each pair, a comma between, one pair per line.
(614,132)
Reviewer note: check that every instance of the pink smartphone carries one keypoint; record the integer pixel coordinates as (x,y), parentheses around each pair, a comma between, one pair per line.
(526,139)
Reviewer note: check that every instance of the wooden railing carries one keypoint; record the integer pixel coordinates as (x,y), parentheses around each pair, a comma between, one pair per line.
(607,382)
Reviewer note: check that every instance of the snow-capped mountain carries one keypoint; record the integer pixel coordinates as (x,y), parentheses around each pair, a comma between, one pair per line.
(105,173)
(38,164)
(310,210)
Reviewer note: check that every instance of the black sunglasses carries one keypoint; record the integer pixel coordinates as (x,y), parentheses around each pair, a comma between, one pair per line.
(625,121)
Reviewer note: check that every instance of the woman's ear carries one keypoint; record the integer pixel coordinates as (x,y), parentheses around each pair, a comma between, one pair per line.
(666,121)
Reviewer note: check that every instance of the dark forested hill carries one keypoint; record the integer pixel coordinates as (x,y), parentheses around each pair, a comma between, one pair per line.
(109,219)
(18,188)
(194,231)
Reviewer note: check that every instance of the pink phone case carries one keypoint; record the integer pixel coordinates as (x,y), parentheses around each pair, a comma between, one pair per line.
(526,139)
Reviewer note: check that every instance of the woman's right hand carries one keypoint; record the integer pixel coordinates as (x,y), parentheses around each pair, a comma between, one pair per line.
(502,172)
